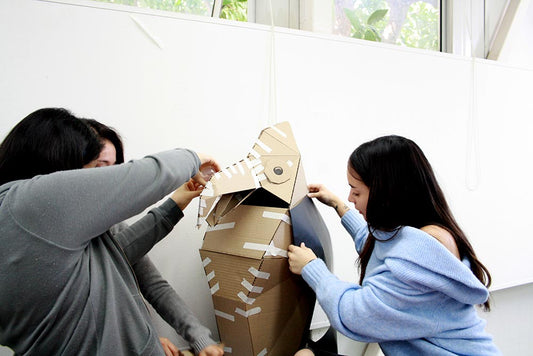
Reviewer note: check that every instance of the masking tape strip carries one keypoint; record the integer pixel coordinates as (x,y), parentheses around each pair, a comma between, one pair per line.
(248,313)
(248,163)
(259,169)
(239,165)
(208,190)
(256,273)
(263,146)
(261,177)
(224,315)
(233,170)
(203,204)
(270,250)
(245,299)
(279,131)
(210,276)
(256,180)
(227,349)
(225,226)
(263,352)
(255,153)
(215,288)
(200,221)
(289,163)
(250,287)
(206,261)
(226,172)
(201,211)
(217,175)
(277,216)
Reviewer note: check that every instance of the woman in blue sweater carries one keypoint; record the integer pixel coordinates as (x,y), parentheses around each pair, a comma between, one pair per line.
(420,278)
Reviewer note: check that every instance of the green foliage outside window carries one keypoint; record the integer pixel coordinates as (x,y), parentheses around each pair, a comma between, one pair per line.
(196,7)
(236,10)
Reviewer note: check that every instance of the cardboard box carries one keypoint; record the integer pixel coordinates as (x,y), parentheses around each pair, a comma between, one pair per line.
(261,308)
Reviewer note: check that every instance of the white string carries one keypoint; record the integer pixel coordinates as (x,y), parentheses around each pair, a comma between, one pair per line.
(473,169)
(272,90)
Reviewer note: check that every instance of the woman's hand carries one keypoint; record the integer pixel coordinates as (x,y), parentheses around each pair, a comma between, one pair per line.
(299,257)
(325,196)
(185,193)
(208,167)
(212,350)
(169,348)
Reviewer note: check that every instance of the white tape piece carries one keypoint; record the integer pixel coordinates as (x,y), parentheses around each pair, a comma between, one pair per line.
(226,172)
(206,261)
(239,165)
(208,190)
(289,163)
(279,131)
(256,180)
(255,162)
(248,313)
(255,153)
(215,288)
(233,170)
(201,211)
(200,221)
(261,177)
(227,349)
(259,169)
(245,299)
(270,250)
(263,352)
(225,226)
(248,163)
(250,287)
(258,274)
(224,315)
(210,276)
(263,146)
(218,175)
(203,204)
(277,216)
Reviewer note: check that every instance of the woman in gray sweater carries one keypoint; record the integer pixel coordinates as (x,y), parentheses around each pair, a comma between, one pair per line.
(66,286)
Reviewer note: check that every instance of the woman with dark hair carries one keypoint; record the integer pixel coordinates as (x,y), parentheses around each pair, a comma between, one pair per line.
(419,276)
(66,286)
(154,288)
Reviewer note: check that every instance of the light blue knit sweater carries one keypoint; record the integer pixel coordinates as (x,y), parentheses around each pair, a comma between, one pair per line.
(417,298)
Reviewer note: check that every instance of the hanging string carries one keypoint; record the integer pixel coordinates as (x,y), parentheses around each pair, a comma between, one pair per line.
(272,87)
(473,169)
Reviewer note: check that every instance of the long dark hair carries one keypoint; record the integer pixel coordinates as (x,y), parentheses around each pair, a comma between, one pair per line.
(108,133)
(405,192)
(46,141)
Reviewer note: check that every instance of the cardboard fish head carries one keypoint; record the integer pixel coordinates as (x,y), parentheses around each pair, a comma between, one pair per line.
(260,306)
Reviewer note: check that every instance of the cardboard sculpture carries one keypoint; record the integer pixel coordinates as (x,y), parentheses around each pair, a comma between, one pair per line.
(254,209)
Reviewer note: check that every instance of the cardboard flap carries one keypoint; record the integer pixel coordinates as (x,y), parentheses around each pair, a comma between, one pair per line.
(280,172)
(246,231)
(281,132)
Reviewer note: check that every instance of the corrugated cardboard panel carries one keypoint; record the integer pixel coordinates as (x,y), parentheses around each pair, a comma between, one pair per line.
(269,145)
(282,132)
(272,163)
(245,224)
(233,329)
(233,180)
(300,186)
(229,272)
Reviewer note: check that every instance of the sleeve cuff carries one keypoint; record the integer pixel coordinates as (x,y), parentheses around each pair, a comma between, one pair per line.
(315,272)
(171,211)
(201,343)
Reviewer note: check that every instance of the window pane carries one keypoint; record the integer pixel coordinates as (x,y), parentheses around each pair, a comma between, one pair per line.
(196,7)
(408,23)
(234,10)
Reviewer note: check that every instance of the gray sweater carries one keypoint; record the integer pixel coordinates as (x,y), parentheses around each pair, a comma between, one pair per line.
(66,287)
(155,289)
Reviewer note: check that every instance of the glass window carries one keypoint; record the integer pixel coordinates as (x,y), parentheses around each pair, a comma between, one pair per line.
(408,23)
(196,7)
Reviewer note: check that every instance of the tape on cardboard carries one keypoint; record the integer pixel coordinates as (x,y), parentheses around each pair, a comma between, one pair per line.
(255,162)
(259,169)
(224,315)
(215,288)
(248,313)
(248,163)
(281,133)
(256,180)
(225,226)
(218,175)
(250,287)
(245,299)
(263,146)
(210,276)
(226,172)
(270,250)
(206,261)
(277,216)
(208,189)
(263,352)
(203,204)
(233,170)
(255,153)
(258,274)
(239,165)
(289,163)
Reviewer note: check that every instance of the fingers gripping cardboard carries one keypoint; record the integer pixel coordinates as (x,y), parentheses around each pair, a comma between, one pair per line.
(261,308)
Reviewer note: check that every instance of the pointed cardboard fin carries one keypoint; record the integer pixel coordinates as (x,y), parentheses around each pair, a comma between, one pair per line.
(283,133)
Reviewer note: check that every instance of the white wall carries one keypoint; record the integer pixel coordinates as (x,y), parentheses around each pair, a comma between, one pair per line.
(185,81)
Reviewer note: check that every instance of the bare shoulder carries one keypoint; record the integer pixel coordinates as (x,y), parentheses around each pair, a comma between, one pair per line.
(443,236)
